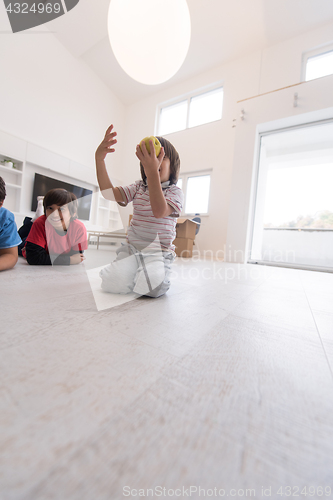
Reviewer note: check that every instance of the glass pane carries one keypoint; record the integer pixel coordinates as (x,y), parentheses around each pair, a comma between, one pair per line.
(180,183)
(319,66)
(172,118)
(197,194)
(294,204)
(206,107)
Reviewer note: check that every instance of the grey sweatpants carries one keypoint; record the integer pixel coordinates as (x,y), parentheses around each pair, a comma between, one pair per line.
(144,272)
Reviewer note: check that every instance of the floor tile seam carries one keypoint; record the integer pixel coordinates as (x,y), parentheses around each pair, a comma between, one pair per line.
(272,324)
(154,347)
(21,343)
(212,389)
(326,293)
(187,414)
(233,294)
(242,301)
(274,465)
(43,332)
(64,293)
(194,352)
(212,327)
(324,313)
(266,283)
(288,327)
(161,348)
(83,367)
(320,338)
(157,336)
(271,306)
(165,375)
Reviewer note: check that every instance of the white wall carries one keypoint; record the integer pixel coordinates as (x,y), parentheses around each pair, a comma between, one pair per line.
(282,63)
(50,98)
(212,145)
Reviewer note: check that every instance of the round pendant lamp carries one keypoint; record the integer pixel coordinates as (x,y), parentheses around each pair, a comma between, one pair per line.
(149,38)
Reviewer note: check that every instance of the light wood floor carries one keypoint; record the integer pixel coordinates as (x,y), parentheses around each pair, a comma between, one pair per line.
(226,382)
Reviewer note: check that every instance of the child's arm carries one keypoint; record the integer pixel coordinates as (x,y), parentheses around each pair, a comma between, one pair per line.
(8,258)
(39,256)
(77,257)
(151,165)
(158,202)
(103,178)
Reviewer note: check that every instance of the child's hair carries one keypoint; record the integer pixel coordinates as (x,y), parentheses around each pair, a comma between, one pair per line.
(61,197)
(172,154)
(2,190)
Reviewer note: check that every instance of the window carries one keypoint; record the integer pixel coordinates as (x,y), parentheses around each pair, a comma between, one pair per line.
(318,63)
(173,118)
(206,108)
(196,188)
(293,221)
(196,109)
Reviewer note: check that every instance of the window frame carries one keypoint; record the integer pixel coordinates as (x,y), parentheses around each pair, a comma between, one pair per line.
(319,51)
(187,97)
(185,176)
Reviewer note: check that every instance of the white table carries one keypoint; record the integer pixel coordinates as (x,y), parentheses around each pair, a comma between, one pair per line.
(102,234)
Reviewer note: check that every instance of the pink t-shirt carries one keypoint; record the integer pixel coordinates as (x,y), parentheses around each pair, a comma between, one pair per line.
(43,234)
(145,228)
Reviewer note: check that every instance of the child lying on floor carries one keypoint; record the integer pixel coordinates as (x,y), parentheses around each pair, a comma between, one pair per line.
(56,237)
(143,265)
(9,239)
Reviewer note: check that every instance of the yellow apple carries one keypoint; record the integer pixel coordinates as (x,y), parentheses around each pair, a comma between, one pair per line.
(156,142)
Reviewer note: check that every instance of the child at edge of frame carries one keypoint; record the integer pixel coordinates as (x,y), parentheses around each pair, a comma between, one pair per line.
(9,239)
(143,264)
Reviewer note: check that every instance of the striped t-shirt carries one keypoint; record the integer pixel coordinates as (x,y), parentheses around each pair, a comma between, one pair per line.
(145,227)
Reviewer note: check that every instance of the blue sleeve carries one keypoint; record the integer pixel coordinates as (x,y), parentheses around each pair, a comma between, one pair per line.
(9,237)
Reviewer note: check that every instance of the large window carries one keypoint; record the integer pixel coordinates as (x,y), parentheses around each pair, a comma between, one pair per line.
(196,189)
(318,63)
(196,109)
(293,223)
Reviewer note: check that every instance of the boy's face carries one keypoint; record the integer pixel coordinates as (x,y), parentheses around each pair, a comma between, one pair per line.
(58,217)
(164,169)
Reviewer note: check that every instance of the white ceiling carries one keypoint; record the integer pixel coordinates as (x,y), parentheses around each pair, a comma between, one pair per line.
(221,30)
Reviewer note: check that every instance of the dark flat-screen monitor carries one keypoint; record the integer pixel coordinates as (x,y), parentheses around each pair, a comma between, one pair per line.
(43,184)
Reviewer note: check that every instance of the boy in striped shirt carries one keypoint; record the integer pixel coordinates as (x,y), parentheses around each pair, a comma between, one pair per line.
(143,265)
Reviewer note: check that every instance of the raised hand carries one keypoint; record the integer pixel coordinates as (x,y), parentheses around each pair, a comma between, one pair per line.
(105,146)
(107,189)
